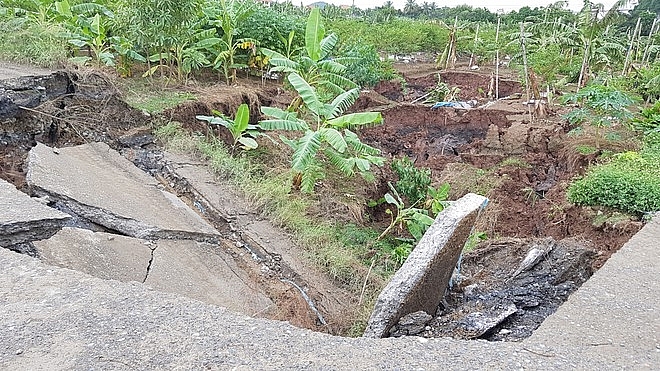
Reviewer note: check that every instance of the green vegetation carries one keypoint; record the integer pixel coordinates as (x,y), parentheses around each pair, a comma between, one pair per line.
(629,182)
(240,128)
(599,106)
(413,183)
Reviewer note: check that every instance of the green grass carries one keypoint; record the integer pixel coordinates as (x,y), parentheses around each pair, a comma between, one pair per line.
(27,43)
(515,162)
(147,95)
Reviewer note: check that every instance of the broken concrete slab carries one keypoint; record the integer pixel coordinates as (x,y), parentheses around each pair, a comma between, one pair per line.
(205,272)
(197,270)
(263,241)
(104,255)
(420,284)
(476,324)
(98,184)
(23,219)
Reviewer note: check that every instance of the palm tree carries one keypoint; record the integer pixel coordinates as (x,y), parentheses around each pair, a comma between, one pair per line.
(411,9)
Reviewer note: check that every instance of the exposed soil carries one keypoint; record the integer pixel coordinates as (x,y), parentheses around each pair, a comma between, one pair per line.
(520,162)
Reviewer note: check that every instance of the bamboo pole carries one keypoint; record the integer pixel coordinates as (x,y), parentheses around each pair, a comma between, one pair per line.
(476,37)
(497,59)
(629,57)
(524,53)
(647,50)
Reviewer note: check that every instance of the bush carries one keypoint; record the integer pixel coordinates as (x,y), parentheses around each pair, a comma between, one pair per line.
(648,120)
(413,183)
(630,183)
(265,24)
(365,68)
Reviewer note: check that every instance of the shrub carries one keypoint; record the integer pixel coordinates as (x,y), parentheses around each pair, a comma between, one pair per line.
(413,183)
(630,182)
(364,66)
(648,120)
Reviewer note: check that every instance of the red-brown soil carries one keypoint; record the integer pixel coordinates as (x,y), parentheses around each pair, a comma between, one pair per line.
(529,199)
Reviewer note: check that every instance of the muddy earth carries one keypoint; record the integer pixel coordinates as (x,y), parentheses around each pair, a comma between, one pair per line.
(539,248)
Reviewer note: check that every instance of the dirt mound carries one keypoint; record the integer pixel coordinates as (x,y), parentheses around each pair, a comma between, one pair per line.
(472,85)
(432,137)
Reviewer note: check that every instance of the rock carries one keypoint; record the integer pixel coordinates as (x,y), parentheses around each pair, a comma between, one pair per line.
(411,324)
(420,284)
(136,138)
(477,324)
(23,219)
(98,184)
(534,256)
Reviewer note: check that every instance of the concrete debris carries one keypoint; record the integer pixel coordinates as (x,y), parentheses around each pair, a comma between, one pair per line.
(31,91)
(476,324)
(533,257)
(98,184)
(22,219)
(420,283)
(411,324)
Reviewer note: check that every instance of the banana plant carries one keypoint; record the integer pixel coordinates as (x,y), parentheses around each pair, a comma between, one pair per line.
(240,128)
(228,17)
(316,65)
(416,220)
(327,134)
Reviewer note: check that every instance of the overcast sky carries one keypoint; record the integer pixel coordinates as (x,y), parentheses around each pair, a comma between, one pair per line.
(492,5)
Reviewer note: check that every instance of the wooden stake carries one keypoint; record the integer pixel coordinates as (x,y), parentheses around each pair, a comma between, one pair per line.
(524,53)
(629,54)
(497,59)
(647,50)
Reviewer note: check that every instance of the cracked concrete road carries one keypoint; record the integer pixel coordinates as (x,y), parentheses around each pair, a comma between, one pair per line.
(194,269)
(100,185)
(22,219)
(59,319)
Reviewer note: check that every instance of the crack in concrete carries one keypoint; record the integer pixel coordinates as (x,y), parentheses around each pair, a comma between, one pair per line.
(116,224)
(151,261)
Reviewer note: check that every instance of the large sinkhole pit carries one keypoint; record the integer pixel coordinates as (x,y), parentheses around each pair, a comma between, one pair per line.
(83,144)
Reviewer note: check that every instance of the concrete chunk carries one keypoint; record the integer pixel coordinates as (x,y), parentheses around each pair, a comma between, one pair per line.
(205,272)
(100,185)
(420,284)
(23,219)
(103,255)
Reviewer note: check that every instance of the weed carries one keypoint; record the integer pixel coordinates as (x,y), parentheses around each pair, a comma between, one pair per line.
(531,196)
(473,240)
(585,149)
(515,162)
